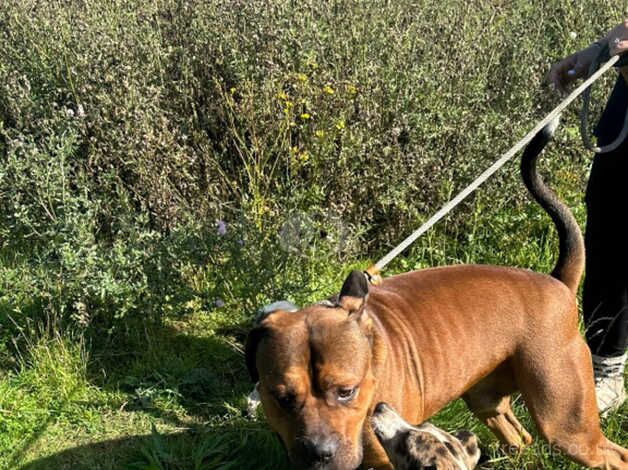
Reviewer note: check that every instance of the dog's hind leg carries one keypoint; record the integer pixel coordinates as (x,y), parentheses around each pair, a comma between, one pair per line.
(489,400)
(559,392)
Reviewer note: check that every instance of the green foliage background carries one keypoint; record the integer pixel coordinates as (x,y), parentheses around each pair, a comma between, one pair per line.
(319,132)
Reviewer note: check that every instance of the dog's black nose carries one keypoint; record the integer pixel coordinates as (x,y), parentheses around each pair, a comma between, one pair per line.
(380,407)
(320,449)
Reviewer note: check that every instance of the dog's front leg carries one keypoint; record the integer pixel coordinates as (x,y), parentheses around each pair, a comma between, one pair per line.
(374,454)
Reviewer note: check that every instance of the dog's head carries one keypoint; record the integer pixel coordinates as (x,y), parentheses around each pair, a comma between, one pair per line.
(315,369)
(425,446)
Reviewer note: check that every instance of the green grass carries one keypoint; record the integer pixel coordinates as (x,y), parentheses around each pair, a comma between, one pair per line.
(176,403)
(173,395)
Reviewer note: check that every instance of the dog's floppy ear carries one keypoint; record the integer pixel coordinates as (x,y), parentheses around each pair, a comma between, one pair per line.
(352,298)
(354,292)
(259,331)
(250,350)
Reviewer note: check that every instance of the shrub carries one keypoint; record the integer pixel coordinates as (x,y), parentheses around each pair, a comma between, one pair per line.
(314,131)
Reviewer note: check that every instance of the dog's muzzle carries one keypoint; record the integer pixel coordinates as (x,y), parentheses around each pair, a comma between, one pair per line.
(323,452)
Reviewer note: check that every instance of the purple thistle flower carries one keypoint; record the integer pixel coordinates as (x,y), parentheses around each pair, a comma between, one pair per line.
(219,303)
(221,227)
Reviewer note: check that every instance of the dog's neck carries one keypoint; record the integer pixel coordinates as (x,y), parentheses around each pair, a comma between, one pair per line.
(383,360)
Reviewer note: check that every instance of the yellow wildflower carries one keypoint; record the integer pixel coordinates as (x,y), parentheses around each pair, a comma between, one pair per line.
(301,77)
(319,133)
(287,107)
(340,124)
(328,90)
(305,116)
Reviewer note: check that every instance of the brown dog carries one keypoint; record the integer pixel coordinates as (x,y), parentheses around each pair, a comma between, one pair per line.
(422,339)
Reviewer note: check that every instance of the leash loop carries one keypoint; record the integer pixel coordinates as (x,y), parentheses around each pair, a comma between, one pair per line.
(603,56)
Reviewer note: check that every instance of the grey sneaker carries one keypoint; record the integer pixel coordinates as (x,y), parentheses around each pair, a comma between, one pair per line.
(253,401)
(609,382)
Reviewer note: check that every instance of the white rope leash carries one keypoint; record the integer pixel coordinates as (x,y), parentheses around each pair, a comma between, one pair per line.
(377,267)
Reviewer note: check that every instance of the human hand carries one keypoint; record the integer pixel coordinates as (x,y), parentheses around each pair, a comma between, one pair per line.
(568,70)
(618,39)
(576,66)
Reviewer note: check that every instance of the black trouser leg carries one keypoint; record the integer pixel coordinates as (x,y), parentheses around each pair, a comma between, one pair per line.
(605,294)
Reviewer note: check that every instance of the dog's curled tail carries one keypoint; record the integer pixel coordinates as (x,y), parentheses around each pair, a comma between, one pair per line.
(570,264)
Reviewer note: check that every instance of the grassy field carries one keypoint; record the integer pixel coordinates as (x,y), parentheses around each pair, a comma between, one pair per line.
(179,404)
(167,167)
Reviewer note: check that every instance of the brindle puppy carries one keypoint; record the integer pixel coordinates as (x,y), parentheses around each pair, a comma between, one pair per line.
(424,446)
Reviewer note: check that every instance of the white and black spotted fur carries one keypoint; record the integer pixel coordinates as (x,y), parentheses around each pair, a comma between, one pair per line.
(424,446)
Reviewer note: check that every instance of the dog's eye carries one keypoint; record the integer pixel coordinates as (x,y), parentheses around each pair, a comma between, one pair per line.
(286,401)
(346,394)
